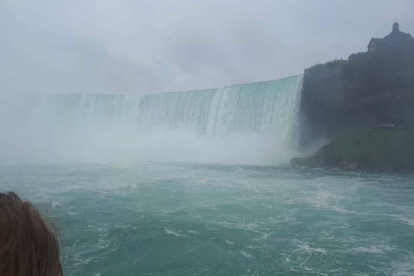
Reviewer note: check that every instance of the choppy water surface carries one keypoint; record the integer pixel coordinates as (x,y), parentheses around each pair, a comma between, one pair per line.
(178,219)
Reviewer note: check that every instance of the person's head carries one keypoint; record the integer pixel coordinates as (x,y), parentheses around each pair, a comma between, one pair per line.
(29,245)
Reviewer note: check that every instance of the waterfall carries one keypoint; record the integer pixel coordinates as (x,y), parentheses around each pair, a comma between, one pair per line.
(266,108)
(258,119)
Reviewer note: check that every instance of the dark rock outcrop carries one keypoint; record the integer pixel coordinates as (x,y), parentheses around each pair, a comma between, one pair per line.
(367,90)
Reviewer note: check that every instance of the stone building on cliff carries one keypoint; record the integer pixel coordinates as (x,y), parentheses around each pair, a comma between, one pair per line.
(396,39)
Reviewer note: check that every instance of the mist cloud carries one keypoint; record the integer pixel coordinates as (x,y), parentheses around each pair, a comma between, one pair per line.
(140,47)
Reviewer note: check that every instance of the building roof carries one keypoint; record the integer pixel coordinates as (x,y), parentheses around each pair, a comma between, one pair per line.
(374,41)
(395,36)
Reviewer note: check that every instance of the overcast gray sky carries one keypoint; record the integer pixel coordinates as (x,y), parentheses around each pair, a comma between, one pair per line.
(140,47)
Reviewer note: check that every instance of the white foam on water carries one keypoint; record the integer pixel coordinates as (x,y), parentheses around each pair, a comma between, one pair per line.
(344,211)
(229,242)
(403,268)
(371,250)
(72,213)
(247,255)
(173,233)
(408,221)
(351,240)
(249,227)
(321,199)
(308,249)
(55,204)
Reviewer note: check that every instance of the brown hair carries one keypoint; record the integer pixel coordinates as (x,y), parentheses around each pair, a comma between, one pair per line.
(29,245)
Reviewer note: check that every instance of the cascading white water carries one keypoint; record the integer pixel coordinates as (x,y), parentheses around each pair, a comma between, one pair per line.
(266,108)
(250,123)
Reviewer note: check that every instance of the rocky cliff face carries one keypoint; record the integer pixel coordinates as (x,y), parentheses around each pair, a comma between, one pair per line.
(367,90)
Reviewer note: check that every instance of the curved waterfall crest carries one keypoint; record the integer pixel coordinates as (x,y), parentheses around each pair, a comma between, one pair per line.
(266,108)
(259,119)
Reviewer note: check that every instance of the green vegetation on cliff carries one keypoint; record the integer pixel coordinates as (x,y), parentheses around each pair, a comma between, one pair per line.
(371,150)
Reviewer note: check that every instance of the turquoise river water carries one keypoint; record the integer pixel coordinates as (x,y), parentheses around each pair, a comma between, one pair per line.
(172,214)
(194,219)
